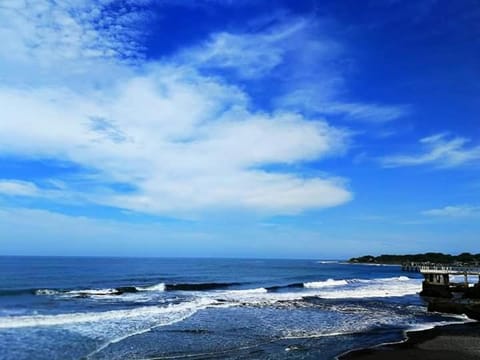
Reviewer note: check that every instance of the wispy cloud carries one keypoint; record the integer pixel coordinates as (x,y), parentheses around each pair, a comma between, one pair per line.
(253,54)
(454,211)
(374,113)
(440,150)
(18,188)
(304,63)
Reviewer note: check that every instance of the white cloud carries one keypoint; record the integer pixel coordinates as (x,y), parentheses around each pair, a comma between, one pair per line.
(46,40)
(47,30)
(181,140)
(458,211)
(440,150)
(18,188)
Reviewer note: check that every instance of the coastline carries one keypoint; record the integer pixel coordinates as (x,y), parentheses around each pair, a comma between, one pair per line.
(445,342)
(369,264)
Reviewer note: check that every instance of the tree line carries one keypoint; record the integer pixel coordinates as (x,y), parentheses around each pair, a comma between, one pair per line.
(464,258)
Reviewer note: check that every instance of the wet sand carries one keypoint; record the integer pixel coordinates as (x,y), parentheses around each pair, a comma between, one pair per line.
(457,342)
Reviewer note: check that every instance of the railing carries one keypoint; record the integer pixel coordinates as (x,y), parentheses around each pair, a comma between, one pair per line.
(441,268)
(449,269)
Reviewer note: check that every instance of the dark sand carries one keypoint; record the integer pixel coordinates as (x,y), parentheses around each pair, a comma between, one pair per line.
(457,342)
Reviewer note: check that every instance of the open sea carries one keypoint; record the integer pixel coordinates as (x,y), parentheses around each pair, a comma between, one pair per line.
(153,308)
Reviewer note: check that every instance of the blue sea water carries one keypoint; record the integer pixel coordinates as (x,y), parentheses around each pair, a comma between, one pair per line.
(152,308)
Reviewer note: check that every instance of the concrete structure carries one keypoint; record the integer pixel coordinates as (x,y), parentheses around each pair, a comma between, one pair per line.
(437,279)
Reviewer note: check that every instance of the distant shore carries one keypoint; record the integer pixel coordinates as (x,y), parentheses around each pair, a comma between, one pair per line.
(439,258)
(458,341)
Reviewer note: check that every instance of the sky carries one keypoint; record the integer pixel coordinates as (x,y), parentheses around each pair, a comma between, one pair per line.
(239,128)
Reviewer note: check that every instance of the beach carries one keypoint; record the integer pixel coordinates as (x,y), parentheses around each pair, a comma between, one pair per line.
(460,341)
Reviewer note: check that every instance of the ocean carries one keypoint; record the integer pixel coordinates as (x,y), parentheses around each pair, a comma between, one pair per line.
(154,308)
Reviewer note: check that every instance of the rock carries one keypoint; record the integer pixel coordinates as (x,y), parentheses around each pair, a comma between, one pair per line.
(469,308)
(437,291)
(472,293)
(446,306)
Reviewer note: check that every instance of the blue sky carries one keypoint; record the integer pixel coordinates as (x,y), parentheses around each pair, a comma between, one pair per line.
(299,129)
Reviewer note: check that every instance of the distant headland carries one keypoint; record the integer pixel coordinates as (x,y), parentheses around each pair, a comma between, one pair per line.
(431,257)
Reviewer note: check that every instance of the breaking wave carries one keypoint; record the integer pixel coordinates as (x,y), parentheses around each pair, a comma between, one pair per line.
(128,289)
(289,286)
(329,289)
(198,286)
(326,283)
(161,315)
(156,287)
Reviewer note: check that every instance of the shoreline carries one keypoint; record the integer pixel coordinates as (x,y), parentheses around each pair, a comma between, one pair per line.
(369,264)
(442,342)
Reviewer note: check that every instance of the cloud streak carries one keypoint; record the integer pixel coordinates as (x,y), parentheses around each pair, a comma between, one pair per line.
(18,188)
(296,55)
(454,211)
(439,150)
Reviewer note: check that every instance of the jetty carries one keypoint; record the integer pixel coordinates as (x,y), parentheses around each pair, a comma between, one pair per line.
(438,283)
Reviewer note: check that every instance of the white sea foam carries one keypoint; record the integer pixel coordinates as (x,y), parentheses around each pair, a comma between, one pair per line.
(462,319)
(372,292)
(383,280)
(239,293)
(382,287)
(326,283)
(97,292)
(156,287)
(329,289)
(109,327)
(341,319)
(46,292)
(50,292)
(397,278)
(144,312)
(91,292)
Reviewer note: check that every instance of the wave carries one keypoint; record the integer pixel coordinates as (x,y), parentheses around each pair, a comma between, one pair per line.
(46,292)
(326,289)
(332,283)
(351,287)
(94,292)
(247,291)
(326,283)
(112,326)
(87,292)
(156,287)
(198,286)
(128,289)
(372,293)
(289,286)
(396,278)
(94,317)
